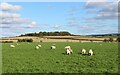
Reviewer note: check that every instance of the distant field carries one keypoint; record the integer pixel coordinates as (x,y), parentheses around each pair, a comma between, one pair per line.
(24,58)
(57,39)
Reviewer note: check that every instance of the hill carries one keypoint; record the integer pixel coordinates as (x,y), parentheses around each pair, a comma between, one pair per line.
(113,35)
(40,34)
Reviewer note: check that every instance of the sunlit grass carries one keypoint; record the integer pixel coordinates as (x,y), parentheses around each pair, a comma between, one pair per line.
(24,58)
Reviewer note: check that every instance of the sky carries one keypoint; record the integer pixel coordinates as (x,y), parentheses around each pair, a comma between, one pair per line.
(80,18)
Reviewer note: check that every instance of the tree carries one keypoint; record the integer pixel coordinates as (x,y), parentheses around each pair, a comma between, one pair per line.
(105,40)
(118,39)
(110,39)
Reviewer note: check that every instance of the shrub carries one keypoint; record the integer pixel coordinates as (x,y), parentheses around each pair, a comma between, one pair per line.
(25,40)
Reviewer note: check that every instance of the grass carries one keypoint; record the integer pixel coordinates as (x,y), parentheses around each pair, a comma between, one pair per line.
(24,58)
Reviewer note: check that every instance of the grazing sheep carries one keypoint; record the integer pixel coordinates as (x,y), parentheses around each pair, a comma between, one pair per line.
(90,52)
(67,47)
(68,52)
(71,51)
(53,47)
(37,47)
(12,46)
(83,51)
(17,44)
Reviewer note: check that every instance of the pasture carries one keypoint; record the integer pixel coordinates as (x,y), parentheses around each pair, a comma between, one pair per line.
(24,58)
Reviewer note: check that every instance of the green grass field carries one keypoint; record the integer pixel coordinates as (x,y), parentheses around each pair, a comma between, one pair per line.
(24,58)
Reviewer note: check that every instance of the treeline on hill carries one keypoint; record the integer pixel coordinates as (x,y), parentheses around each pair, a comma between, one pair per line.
(107,35)
(25,40)
(112,40)
(48,34)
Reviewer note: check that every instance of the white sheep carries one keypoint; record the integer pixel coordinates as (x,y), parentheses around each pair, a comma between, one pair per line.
(67,47)
(71,51)
(37,47)
(90,52)
(12,46)
(17,44)
(53,47)
(83,51)
(68,52)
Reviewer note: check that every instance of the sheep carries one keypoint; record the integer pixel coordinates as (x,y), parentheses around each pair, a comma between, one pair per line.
(17,44)
(12,46)
(71,51)
(90,52)
(37,47)
(68,52)
(53,47)
(83,51)
(67,47)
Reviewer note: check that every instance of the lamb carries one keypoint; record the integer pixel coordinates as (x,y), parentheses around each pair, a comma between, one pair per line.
(83,51)
(12,46)
(68,52)
(37,47)
(67,47)
(90,52)
(71,51)
(53,47)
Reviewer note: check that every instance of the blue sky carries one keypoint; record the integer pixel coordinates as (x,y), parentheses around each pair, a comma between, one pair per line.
(81,18)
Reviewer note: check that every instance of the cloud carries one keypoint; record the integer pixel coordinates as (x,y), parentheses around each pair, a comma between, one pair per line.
(12,22)
(106,16)
(95,5)
(105,10)
(8,15)
(32,25)
(96,29)
(4,26)
(9,7)
(8,18)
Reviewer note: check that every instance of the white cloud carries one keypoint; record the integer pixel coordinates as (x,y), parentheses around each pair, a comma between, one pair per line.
(8,15)
(106,10)
(14,20)
(96,3)
(32,25)
(9,7)
(107,16)
(9,18)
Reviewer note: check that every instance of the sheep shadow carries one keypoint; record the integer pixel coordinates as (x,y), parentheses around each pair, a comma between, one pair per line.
(64,53)
(83,54)
(79,54)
